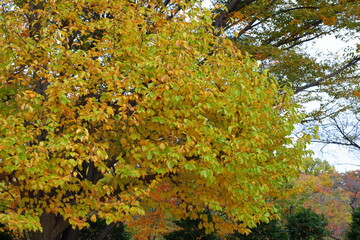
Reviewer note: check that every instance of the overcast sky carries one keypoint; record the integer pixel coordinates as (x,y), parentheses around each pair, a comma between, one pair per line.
(343,158)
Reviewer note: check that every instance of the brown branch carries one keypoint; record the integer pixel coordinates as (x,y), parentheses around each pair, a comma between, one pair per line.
(335,142)
(166,2)
(321,80)
(334,237)
(302,41)
(13,197)
(233,6)
(250,24)
(301,32)
(106,231)
(353,200)
(296,8)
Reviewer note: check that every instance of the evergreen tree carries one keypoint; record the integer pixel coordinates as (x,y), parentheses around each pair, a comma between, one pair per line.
(273,230)
(307,225)
(354,231)
(190,230)
(4,234)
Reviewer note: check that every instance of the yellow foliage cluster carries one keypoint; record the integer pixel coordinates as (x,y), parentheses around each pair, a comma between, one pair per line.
(104,101)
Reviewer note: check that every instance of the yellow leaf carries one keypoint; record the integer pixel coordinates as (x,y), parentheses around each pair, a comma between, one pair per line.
(93,218)
(162,146)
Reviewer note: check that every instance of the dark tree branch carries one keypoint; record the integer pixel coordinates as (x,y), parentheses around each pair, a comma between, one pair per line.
(302,41)
(342,132)
(302,31)
(233,6)
(70,234)
(334,237)
(332,142)
(296,8)
(353,201)
(321,80)
(166,2)
(250,25)
(174,12)
(53,226)
(106,231)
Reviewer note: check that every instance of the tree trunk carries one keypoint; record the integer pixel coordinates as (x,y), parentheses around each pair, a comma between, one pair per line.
(53,227)
(105,232)
(70,234)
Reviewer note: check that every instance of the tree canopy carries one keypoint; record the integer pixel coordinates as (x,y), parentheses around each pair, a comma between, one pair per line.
(272,31)
(109,108)
(278,34)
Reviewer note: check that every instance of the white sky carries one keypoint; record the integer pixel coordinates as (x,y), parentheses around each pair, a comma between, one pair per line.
(343,158)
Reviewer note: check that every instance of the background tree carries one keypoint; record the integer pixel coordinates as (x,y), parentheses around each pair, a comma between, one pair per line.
(317,167)
(96,113)
(190,230)
(306,225)
(342,128)
(321,189)
(152,225)
(354,231)
(273,230)
(351,183)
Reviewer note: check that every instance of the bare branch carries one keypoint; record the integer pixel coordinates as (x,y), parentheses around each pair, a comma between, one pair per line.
(333,142)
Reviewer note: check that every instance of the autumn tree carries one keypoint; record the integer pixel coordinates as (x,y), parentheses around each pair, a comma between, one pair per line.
(351,184)
(316,167)
(320,188)
(274,30)
(278,32)
(153,224)
(102,102)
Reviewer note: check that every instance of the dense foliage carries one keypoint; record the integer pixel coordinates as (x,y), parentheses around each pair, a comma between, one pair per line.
(109,109)
(354,231)
(189,229)
(116,232)
(5,235)
(273,230)
(306,225)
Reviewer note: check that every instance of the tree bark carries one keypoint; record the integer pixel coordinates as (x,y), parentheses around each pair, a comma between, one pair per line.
(106,231)
(70,234)
(53,227)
